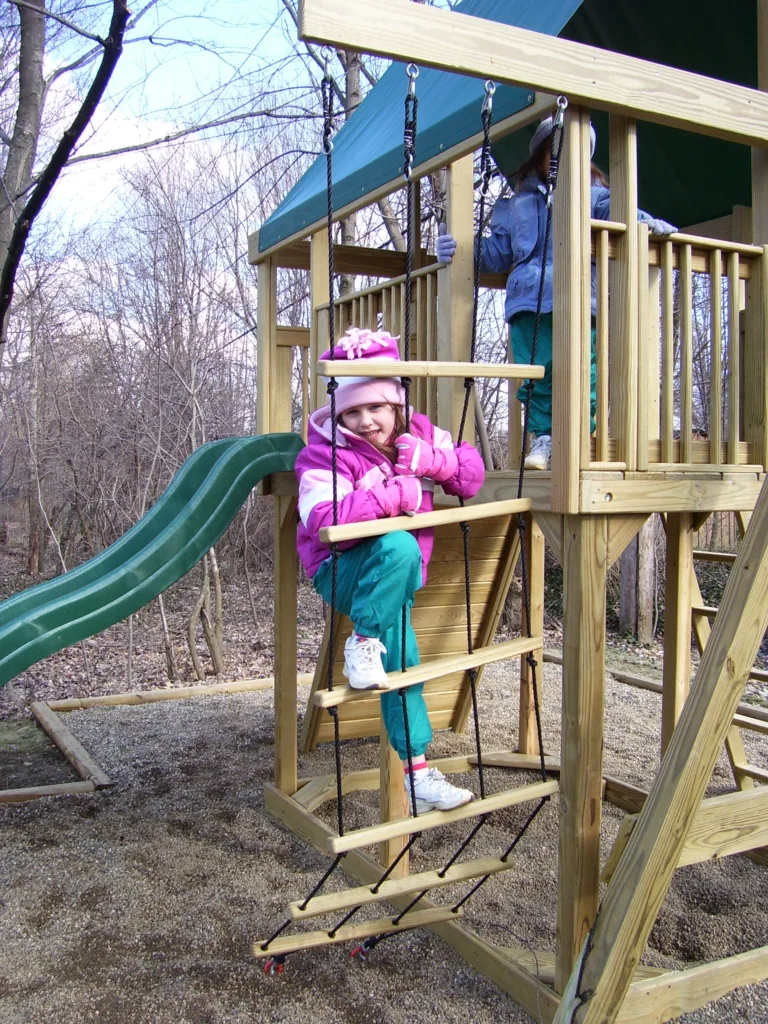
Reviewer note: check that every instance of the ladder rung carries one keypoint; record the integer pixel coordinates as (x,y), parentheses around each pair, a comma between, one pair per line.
(426,368)
(759,774)
(432,670)
(337,901)
(704,609)
(432,819)
(348,932)
(714,556)
(422,520)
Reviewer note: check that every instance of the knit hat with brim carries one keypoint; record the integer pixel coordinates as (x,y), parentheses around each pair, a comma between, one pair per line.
(544,130)
(362,346)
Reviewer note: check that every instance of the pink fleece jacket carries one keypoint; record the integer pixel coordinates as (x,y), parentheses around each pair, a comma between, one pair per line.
(362,474)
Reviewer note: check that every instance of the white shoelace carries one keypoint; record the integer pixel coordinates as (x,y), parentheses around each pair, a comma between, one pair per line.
(366,650)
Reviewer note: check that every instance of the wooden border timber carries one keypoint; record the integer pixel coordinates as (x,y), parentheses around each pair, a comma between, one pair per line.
(24,793)
(588,75)
(528,992)
(173,693)
(70,747)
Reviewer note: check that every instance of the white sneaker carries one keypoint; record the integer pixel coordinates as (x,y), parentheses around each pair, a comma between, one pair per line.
(540,455)
(434,793)
(362,663)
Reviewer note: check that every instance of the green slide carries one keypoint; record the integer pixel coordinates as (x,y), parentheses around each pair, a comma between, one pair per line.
(189,517)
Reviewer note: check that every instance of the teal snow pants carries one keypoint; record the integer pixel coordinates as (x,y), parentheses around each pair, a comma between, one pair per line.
(521,339)
(374,580)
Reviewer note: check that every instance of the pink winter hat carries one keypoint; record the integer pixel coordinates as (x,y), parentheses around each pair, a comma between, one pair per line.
(363,345)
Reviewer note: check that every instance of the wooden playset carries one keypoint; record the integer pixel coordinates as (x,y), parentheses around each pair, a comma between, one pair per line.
(643,458)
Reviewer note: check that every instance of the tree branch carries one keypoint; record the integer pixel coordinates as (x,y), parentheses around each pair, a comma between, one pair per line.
(62,21)
(113,46)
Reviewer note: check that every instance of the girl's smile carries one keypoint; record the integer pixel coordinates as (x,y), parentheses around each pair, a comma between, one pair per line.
(374,423)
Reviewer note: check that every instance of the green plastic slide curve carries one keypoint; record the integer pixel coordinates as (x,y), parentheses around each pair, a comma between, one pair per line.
(189,517)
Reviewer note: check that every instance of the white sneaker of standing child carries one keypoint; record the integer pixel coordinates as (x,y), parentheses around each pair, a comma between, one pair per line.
(540,455)
(434,793)
(362,663)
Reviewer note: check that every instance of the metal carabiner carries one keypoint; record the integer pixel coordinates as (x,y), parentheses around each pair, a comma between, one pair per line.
(490,89)
(413,73)
(562,104)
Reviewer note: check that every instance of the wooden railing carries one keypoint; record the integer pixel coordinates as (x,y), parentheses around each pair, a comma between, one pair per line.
(694,410)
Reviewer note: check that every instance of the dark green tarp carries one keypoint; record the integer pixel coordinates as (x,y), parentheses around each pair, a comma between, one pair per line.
(683,177)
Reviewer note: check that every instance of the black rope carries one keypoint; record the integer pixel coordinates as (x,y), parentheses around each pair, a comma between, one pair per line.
(322,882)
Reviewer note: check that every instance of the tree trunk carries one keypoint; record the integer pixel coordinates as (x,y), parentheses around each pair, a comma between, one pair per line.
(170,664)
(353,96)
(628,593)
(646,580)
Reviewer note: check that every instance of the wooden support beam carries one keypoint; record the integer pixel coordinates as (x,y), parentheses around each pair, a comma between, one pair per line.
(456,289)
(443,666)
(680,992)
(588,75)
(266,325)
(756,362)
(677,621)
(70,747)
(422,520)
(585,560)
(527,733)
(759,153)
(286,693)
(319,292)
(351,932)
(393,803)
(432,368)
(434,819)
(633,898)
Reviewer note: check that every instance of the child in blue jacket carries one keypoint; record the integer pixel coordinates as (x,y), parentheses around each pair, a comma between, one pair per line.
(516,245)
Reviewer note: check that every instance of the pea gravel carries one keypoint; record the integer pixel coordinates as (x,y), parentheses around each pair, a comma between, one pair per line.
(141,903)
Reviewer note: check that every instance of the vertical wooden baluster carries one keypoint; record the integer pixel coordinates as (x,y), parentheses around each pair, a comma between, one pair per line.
(686,354)
(715,358)
(386,319)
(304,392)
(601,448)
(643,346)
(667,353)
(734,369)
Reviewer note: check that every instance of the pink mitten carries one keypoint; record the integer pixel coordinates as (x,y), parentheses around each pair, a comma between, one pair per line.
(408,490)
(417,457)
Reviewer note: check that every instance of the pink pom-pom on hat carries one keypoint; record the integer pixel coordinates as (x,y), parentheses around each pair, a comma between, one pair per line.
(361,345)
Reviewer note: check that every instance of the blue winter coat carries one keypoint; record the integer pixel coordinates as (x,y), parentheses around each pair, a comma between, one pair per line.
(516,244)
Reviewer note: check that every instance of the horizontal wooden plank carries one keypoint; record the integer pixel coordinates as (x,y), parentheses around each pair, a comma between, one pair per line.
(24,793)
(428,368)
(433,819)
(728,557)
(372,727)
(432,670)
(588,75)
(423,520)
(334,902)
(350,932)
(292,337)
(641,494)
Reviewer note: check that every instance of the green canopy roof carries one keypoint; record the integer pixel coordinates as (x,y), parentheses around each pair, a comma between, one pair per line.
(683,177)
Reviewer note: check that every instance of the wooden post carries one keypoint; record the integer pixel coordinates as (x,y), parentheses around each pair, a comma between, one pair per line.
(318,295)
(677,621)
(393,803)
(585,560)
(646,868)
(286,682)
(570,320)
(455,292)
(760,154)
(528,738)
(755,374)
(646,544)
(266,343)
(624,289)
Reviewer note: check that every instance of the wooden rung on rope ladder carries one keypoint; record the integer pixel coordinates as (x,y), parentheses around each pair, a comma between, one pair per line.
(433,819)
(423,520)
(423,368)
(350,932)
(433,670)
(425,880)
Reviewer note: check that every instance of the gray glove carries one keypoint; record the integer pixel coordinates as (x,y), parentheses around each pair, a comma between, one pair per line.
(446,245)
(661,228)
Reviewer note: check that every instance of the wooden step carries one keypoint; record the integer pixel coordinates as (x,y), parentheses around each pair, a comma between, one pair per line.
(715,556)
(424,520)
(704,609)
(350,932)
(433,819)
(432,670)
(427,368)
(337,901)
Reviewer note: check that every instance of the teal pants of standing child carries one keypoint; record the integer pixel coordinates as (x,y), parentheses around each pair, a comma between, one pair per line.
(521,337)
(375,581)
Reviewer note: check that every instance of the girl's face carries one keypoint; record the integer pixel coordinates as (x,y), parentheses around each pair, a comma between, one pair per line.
(373,422)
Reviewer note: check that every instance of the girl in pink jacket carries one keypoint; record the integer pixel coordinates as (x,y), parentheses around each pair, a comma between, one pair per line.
(382,471)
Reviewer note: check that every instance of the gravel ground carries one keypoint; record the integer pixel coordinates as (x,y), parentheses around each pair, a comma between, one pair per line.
(140,904)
